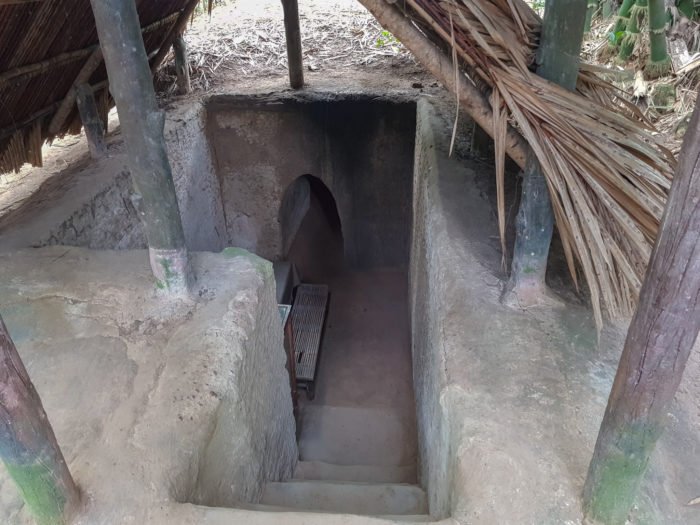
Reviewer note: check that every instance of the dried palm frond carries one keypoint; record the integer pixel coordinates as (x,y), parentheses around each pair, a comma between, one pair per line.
(607,171)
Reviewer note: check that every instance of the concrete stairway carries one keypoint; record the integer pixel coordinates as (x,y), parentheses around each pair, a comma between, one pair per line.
(357,438)
(347,497)
(330,478)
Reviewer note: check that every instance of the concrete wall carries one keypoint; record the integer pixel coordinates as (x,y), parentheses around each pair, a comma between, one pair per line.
(108,220)
(198,191)
(509,401)
(426,294)
(362,149)
(89,204)
(156,402)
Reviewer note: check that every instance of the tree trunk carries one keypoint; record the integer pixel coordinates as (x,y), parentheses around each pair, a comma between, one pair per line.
(92,123)
(659,341)
(558,59)
(142,125)
(182,66)
(28,447)
(293,34)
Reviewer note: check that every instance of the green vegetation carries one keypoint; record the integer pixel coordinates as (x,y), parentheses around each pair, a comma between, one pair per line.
(386,39)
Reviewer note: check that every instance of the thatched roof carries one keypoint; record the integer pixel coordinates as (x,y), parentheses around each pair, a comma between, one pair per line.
(45,46)
(606,167)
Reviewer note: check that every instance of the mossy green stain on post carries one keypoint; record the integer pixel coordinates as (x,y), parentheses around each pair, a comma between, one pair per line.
(41,494)
(28,446)
(611,497)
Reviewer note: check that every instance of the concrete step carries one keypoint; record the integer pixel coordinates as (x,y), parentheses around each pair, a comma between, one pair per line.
(395,518)
(357,436)
(369,499)
(320,470)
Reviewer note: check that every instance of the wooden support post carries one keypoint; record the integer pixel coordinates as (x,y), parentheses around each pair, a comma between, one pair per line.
(92,123)
(659,341)
(142,126)
(28,446)
(293,34)
(558,59)
(177,29)
(182,66)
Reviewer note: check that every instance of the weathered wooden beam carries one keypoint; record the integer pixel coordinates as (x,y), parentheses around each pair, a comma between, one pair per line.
(31,70)
(40,114)
(90,66)
(28,446)
(659,341)
(471,100)
(182,66)
(92,123)
(558,59)
(292,32)
(13,2)
(177,29)
(142,124)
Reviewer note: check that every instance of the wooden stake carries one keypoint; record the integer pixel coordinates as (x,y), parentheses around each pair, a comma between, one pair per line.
(142,125)
(177,29)
(92,124)
(28,446)
(293,34)
(182,67)
(558,59)
(659,341)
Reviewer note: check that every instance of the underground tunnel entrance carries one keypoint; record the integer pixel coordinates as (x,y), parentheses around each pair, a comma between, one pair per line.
(363,409)
(324,189)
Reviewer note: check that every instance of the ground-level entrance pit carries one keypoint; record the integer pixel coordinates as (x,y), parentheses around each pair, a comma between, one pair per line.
(325,185)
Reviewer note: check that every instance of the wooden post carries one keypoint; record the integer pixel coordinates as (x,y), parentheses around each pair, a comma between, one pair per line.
(182,66)
(28,446)
(142,125)
(558,59)
(92,123)
(659,341)
(293,34)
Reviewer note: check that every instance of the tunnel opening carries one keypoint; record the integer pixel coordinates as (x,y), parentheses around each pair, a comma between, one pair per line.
(312,230)
(323,188)
(363,409)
